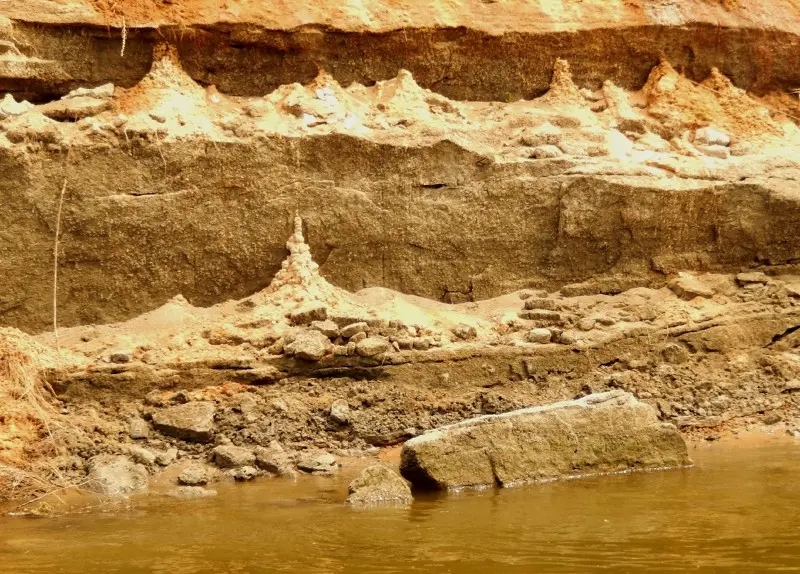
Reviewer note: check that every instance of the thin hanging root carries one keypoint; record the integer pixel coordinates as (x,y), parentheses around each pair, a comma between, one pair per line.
(124,38)
(55,248)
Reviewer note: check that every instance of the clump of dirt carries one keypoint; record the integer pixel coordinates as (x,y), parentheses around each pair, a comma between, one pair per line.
(681,104)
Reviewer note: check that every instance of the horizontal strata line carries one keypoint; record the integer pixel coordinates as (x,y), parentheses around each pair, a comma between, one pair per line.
(115,27)
(251,60)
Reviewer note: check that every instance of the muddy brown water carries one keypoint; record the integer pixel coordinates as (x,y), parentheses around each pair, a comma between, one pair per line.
(737,510)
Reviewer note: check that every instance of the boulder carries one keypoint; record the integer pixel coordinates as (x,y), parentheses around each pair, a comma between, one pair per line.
(357,338)
(372,346)
(229,456)
(752,277)
(541,315)
(104,91)
(309,346)
(532,303)
(600,433)
(114,475)
(275,461)
(193,422)
(10,107)
(307,313)
(379,485)
(687,286)
(166,457)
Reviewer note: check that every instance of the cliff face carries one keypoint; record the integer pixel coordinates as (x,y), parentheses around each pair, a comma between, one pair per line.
(438,149)
(607,192)
(469,49)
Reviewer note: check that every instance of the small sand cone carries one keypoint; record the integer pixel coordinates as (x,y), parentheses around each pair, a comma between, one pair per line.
(663,79)
(298,268)
(562,89)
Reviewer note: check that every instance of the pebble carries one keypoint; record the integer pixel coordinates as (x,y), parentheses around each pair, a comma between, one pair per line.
(546,152)
(542,336)
(167,457)
(340,411)
(120,357)
(354,328)
(422,344)
(142,455)
(138,429)
(327,328)
(710,136)
(464,331)
(358,337)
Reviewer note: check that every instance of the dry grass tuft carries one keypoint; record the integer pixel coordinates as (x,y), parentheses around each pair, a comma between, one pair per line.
(29,426)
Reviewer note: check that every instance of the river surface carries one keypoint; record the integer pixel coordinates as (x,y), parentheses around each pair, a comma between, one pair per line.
(737,510)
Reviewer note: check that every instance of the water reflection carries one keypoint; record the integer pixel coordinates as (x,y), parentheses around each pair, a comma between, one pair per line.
(737,511)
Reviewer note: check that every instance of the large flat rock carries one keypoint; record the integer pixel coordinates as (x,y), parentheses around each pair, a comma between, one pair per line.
(193,422)
(600,433)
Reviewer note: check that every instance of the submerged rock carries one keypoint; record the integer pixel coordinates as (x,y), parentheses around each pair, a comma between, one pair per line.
(318,463)
(379,485)
(600,433)
(244,473)
(190,492)
(115,475)
(194,475)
